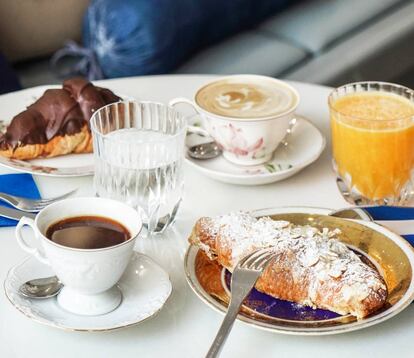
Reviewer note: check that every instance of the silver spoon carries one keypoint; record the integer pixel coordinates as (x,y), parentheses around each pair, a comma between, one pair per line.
(207,150)
(41,287)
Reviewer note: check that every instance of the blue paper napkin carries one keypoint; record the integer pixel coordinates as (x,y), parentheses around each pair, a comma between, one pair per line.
(399,219)
(20,185)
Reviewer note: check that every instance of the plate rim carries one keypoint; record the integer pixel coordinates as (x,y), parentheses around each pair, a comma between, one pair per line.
(405,301)
(88,169)
(49,323)
(265,176)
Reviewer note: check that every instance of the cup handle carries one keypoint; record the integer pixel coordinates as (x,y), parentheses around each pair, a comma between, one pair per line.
(180,100)
(23,244)
(191,129)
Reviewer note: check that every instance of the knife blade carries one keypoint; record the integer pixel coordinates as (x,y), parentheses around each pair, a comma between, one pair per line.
(15,214)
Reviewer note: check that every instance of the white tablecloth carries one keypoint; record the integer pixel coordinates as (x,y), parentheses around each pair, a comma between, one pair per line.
(186,326)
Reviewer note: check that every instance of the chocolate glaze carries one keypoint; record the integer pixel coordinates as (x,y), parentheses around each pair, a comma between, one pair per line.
(57,112)
(27,127)
(58,107)
(86,94)
(108,95)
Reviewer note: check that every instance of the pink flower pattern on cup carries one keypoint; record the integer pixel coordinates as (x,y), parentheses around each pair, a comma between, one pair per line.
(236,143)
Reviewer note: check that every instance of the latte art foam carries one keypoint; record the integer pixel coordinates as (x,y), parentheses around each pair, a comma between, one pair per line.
(246,98)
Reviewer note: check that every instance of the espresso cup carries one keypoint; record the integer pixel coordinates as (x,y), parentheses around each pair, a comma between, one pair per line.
(89,275)
(247,115)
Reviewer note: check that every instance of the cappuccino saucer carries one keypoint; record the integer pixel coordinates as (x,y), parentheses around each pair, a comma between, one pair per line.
(301,147)
(145,288)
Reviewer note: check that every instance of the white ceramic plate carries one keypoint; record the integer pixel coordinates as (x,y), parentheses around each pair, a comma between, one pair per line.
(303,146)
(388,251)
(73,165)
(145,288)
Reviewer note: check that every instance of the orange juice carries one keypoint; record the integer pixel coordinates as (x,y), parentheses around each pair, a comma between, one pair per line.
(373,142)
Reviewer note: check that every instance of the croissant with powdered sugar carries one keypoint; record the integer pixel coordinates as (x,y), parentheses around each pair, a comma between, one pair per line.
(311,267)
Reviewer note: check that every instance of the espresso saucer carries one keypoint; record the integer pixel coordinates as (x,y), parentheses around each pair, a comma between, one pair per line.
(301,147)
(145,288)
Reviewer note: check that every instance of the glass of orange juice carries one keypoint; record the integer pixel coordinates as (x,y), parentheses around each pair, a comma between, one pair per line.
(373,142)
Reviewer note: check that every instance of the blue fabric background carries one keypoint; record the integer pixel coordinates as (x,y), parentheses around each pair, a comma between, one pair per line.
(20,185)
(136,37)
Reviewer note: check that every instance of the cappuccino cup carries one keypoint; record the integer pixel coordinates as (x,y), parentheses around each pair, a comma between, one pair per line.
(247,115)
(89,275)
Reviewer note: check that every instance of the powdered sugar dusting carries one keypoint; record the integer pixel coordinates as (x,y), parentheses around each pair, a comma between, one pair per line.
(319,254)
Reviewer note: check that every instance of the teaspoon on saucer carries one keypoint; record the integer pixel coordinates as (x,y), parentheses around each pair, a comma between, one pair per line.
(207,150)
(41,287)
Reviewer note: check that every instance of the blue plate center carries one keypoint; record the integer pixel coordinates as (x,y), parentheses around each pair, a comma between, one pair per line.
(273,307)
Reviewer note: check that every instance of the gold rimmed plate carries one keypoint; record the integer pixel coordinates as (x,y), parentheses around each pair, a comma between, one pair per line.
(388,252)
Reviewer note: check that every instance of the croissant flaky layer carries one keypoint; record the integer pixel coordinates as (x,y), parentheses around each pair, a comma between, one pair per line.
(80,142)
(310,267)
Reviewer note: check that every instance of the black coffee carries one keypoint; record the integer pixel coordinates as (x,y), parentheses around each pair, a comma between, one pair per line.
(87,232)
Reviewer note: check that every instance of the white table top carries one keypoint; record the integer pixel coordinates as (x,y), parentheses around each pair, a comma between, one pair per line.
(186,326)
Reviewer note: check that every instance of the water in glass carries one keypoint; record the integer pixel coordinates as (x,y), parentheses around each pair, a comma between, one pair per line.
(141,163)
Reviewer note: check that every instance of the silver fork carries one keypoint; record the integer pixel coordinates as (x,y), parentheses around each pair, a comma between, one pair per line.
(31,205)
(244,276)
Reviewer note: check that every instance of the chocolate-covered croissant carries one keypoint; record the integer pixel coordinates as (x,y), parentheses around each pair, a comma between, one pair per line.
(57,123)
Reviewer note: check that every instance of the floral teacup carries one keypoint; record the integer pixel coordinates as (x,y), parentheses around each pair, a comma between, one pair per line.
(263,108)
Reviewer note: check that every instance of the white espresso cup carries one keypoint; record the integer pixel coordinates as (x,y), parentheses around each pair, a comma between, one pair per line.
(89,275)
(248,138)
